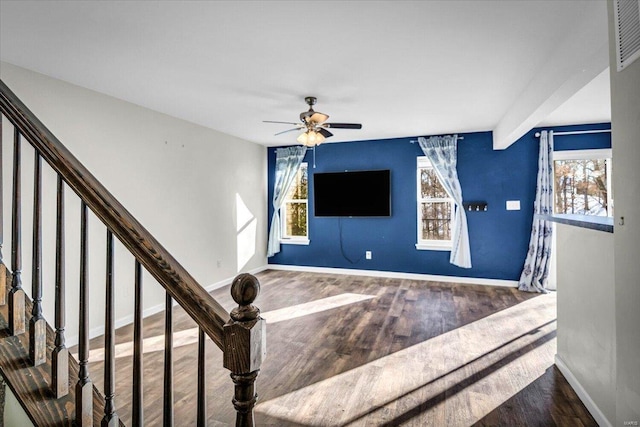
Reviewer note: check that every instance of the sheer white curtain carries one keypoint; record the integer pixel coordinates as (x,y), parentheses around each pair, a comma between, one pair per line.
(442,151)
(535,273)
(287,164)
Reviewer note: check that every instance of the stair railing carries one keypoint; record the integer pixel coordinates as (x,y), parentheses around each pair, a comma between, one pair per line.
(240,334)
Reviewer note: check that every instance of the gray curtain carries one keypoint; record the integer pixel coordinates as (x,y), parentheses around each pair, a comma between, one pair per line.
(442,151)
(288,162)
(535,273)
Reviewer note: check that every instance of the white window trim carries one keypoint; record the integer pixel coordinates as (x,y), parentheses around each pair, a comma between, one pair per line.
(596,153)
(600,153)
(295,240)
(423,162)
(435,246)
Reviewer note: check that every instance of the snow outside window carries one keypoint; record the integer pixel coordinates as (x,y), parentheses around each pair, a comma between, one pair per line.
(582,182)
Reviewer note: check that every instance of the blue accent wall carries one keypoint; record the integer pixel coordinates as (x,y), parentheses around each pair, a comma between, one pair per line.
(582,142)
(499,238)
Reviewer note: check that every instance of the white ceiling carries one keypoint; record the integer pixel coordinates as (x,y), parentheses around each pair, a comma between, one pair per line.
(401,68)
(591,104)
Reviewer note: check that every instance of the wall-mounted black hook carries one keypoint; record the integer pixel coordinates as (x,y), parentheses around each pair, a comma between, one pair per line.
(476,206)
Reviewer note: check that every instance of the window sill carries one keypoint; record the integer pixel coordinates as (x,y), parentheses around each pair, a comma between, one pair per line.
(304,242)
(432,247)
(599,223)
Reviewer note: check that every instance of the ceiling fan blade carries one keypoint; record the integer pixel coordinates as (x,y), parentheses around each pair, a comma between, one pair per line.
(284,123)
(319,118)
(324,132)
(313,117)
(342,125)
(285,131)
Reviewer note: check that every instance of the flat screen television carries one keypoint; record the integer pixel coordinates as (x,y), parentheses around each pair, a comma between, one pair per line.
(356,193)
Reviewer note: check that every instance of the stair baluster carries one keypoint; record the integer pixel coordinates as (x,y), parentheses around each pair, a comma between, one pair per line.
(168,362)
(202,383)
(60,354)
(84,387)
(110,418)
(3,269)
(17,321)
(37,324)
(138,401)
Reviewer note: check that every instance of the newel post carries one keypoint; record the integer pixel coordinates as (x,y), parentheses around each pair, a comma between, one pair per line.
(245,346)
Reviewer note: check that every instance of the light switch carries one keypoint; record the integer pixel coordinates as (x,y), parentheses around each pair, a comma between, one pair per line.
(513,205)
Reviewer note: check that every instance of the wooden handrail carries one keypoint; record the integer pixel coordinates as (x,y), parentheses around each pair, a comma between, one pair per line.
(180,285)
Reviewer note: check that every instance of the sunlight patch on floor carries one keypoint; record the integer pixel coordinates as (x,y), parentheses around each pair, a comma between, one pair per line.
(313,307)
(190,336)
(454,379)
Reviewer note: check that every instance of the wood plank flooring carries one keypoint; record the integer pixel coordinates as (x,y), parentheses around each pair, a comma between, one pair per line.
(364,351)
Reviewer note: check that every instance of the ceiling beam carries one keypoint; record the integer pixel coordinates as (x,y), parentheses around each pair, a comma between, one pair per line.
(577,60)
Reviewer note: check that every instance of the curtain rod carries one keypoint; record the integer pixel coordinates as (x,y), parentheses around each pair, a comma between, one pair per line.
(413,141)
(578,132)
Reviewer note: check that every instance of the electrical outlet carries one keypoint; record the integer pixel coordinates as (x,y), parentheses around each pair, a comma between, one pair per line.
(367,254)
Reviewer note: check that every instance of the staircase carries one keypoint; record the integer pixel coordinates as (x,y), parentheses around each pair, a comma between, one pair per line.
(30,384)
(52,387)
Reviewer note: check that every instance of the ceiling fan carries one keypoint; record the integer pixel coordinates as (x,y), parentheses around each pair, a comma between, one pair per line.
(314,125)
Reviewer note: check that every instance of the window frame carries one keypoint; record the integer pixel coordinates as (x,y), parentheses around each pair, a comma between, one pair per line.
(284,237)
(423,162)
(592,154)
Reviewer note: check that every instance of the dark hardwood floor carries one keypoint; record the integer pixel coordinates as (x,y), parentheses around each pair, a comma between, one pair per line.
(548,401)
(352,350)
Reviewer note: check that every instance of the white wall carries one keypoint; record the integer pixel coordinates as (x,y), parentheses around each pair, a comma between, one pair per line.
(586,313)
(625,135)
(598,317)
(14,415)
(201,193)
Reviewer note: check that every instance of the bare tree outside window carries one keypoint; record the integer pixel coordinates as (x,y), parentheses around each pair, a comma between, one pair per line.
(581,187)
(435,207)
(436,221)
(295,221)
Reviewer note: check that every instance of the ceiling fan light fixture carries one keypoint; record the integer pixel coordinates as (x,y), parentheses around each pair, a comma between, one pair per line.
(319,138)
(314,126)
(310,138)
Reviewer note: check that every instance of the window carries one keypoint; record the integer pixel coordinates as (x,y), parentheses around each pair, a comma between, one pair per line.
(582,182)
(435,209)
(294,215)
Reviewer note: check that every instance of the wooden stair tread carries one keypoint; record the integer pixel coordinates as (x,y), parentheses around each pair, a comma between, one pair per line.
(31,385)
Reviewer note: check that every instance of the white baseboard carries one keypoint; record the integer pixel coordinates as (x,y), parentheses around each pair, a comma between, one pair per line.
(591,406)
(127,320)
(396,275)
(228,281)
